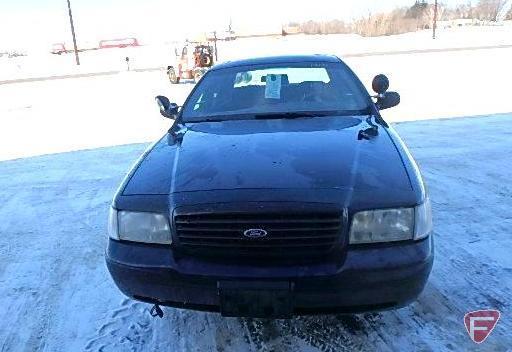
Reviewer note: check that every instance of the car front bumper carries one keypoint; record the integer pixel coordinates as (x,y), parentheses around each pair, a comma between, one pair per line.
(369,279)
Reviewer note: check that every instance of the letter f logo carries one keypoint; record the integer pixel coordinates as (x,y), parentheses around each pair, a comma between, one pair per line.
(480,323)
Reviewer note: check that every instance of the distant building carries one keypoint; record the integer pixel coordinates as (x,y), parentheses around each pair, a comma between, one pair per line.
(118,43)
(459,22)
(291,29)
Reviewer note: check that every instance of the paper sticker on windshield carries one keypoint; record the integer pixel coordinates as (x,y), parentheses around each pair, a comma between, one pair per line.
(273,87)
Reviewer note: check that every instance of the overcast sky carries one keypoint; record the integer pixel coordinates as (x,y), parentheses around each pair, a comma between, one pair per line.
(26,24)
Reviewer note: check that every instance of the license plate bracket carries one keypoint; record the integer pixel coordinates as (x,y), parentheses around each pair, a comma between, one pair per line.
(256,299)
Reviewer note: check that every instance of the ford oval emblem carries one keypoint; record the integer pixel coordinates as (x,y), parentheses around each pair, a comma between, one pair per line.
(255,233)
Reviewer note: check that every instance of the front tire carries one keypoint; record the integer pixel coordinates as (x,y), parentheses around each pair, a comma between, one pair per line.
(206,61)
(173,78)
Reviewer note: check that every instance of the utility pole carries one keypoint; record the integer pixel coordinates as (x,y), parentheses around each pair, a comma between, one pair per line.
(215,45)
(73,33)
(434,25)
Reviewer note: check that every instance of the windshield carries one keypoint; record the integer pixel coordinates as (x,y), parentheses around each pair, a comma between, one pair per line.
(256,91)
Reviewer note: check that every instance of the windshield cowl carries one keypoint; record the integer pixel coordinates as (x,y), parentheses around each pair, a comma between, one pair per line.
(283,115)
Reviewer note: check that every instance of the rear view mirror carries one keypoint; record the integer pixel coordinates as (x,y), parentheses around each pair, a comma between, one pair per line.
(385,99)
(380,84)
(388,100)
(167,109)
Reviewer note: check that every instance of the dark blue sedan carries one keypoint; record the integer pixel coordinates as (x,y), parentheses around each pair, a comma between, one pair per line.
(278,190)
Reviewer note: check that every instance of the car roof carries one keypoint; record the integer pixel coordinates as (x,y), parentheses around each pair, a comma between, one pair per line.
(283,59)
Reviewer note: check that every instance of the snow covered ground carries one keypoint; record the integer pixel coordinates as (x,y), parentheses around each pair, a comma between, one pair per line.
(44,64)
(56,294)
(55,291)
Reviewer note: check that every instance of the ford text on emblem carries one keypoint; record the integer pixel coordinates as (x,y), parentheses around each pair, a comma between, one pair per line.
(255,233)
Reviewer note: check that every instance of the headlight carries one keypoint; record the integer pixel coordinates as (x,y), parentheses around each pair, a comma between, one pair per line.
(389,225)
(139,227)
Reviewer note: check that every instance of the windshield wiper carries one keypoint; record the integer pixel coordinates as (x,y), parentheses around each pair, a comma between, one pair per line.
(278,115)
(288,115)
(211,120)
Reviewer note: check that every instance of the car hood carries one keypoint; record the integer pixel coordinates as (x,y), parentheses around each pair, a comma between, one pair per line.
(309,153)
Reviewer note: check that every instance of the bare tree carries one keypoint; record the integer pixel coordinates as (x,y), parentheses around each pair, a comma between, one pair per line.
(324,27)
(407,19)
(488,10)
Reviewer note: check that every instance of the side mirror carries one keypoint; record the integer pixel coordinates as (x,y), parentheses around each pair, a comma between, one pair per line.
(167,109)
(380,84)
(388,100)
